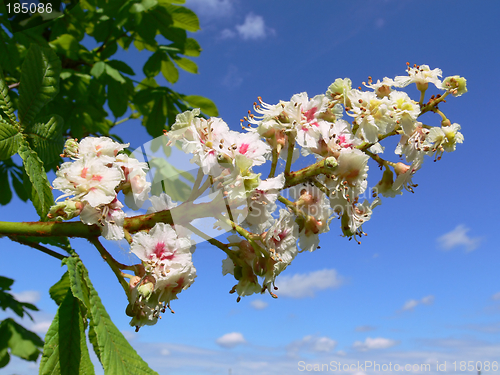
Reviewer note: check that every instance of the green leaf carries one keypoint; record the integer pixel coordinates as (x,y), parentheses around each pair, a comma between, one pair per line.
(65,351)
(39,82)
(204,104)
(6,194)
(152,67)
(5,283)
(114,74)
(121,66)
(67,45)
(117,98)
(17,182)
(157,118)
(192,48)
(10,138)
(22,343)
(77,282)
(59,290)
(116,354)
(186,64)
(183,17)
(98,68)
(41,194)
(47,139)
(169,71)
(5,103)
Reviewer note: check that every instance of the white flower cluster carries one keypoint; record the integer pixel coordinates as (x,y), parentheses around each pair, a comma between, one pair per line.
(94,178)
(314,126)
(168,269)
(308,199)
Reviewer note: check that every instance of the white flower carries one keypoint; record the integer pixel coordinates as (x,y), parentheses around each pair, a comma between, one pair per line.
(306,114)
(334,137)
(102,146)
(404,111)
(135,186)
(371,114)
(281,242)
(421,75)
(161,203)
(167,258)
(414,146)
(109,216)
(381,89)
(261,203)
(314,205)
(355,216)
(405,173)
(89,180)
(444,139)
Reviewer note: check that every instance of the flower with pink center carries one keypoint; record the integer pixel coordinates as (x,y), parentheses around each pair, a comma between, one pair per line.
(166,257)
(89,180)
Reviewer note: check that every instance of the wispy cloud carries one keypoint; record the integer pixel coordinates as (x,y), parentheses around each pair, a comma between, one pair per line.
(458,238)
(306,285)
(412,303)
(29,296)
(258,304)
(311,343)
(233,77)
(230,340)
(496,296)
(253,28)
(364,328)
(376,343)
(211,8)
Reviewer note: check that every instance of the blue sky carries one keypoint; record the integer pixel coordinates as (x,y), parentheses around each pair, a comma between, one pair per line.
(422,287)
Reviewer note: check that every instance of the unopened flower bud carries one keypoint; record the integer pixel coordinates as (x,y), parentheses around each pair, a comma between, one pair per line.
(401,168)
(71,148)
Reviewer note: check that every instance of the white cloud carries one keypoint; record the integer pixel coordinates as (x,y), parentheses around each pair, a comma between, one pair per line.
(252,28)
(458,237)
(230,340)
(227,34)
(258,304)
(411,304)
(232,79)
(29,296)
(496,296)
(312,343)
(364,328)
(211,8)
(376,343)
(41,327)
(305,285)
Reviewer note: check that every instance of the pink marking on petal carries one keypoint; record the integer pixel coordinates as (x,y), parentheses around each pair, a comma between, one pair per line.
(310,114)
(96,177)
(84,173)
(244,148)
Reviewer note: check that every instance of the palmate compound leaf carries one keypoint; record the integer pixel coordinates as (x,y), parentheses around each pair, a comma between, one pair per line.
(39,82)
(65,351)
(41,194)
(113,350)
